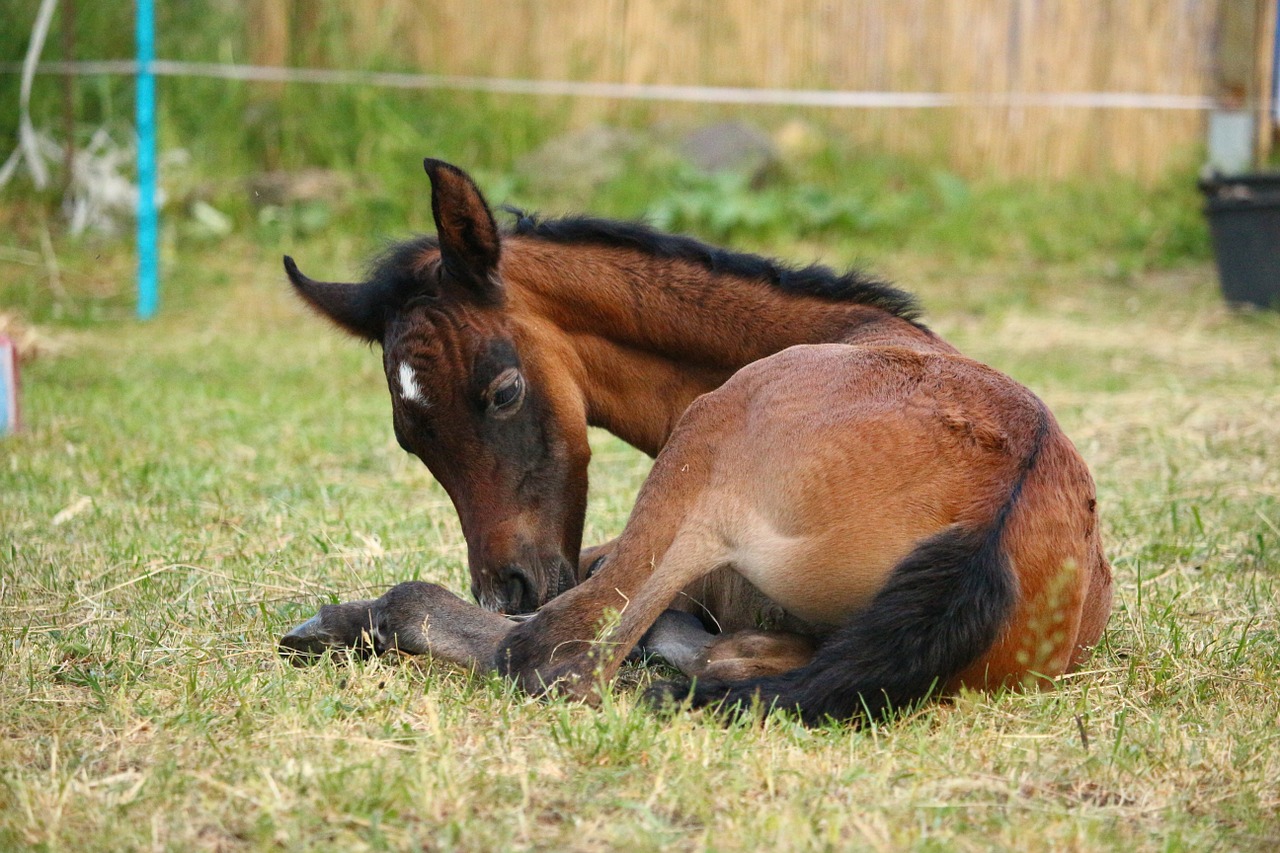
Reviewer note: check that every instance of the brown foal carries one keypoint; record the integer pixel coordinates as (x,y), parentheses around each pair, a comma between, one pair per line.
(845,515)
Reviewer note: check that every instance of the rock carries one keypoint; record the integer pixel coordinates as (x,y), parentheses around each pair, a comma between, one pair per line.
(581,159)
(730,146)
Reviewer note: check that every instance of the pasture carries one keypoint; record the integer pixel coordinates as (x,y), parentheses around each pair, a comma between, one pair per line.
(188,489)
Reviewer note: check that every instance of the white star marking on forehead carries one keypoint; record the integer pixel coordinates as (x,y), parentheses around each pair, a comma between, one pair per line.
(409,388)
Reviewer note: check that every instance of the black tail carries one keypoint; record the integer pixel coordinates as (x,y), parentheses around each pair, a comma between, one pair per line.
(943,606)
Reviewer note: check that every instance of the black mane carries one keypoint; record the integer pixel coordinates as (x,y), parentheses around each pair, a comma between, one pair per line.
(813,280)
(393,280)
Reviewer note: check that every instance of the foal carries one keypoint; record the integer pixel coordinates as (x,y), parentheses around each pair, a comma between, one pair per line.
(861,514)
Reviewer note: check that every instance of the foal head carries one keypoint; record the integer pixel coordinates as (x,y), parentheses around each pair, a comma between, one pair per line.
(475,395)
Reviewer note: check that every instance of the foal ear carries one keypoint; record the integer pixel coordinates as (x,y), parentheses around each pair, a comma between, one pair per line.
(469,243)
(352,306)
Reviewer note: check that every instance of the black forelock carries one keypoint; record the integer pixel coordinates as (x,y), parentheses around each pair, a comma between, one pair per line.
(394,275)
(813,280)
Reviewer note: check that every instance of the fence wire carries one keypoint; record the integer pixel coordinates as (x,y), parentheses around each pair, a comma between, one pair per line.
(640,91)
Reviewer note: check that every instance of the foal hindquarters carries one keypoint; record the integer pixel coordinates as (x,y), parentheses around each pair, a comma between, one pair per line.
(922,510)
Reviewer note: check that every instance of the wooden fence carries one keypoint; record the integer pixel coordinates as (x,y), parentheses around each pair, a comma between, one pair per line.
(976,48)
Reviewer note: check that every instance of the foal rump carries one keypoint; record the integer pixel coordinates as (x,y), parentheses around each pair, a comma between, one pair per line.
(941,608)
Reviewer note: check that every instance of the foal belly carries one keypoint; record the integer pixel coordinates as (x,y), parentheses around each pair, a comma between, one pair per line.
(820,578)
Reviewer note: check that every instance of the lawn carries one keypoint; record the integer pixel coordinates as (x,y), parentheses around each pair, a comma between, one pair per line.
(187,489)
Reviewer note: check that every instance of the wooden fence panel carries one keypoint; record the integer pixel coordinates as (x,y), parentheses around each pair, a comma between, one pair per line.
(962,47)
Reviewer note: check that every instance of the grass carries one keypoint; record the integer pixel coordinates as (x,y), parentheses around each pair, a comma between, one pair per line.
(189,488)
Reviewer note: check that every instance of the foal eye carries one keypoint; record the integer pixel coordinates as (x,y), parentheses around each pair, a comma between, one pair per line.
(506,395)
(506,392)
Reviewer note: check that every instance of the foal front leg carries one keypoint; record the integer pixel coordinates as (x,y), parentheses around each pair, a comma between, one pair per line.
(672,539)
(593,558)
(416,618)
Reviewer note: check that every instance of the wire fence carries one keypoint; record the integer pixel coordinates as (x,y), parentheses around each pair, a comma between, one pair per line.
(1052,88)
(748,96)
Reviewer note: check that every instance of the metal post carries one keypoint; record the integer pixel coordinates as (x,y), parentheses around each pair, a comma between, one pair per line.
(9,421)
(145,116)
(1275,73)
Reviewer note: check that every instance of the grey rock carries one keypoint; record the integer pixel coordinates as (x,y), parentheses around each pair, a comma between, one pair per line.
(730,146)
(581,159)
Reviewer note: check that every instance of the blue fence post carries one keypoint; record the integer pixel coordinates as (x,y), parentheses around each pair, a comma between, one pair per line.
(1275,72)
(145,117)
(9,421)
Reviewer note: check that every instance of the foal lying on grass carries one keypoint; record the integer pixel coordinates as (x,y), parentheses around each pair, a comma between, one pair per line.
(861,514)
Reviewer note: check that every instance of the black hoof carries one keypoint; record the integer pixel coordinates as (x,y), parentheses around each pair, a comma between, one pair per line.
(667,697)
(305,643)
(337,627)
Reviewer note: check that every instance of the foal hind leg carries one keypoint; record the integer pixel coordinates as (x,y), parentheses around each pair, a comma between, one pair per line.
(753,653)
(415,618)
(573,642)
(681,640)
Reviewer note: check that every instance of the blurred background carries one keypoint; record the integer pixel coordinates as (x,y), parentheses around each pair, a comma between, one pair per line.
(1050,130)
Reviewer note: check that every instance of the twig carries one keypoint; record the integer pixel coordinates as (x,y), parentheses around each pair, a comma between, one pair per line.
(51,263)
(1084,734)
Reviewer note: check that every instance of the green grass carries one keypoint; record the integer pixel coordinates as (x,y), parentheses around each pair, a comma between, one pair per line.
(187,489)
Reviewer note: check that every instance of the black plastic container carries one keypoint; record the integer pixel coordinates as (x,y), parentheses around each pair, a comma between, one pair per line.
(1244,221)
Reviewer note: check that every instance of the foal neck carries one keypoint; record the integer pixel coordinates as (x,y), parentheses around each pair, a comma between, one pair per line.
(650,333)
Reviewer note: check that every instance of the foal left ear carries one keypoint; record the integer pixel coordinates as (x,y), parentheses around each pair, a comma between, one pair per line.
(469,244)
(358,308)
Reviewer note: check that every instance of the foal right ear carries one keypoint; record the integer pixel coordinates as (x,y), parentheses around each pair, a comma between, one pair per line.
(351,306)
(469,241)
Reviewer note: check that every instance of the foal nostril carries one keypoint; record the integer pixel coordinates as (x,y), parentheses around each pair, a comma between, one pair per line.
(518,591)
(596,564)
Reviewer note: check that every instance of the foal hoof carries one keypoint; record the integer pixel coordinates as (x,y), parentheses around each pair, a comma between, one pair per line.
(306,642)
(667,697)
(336,626)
